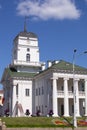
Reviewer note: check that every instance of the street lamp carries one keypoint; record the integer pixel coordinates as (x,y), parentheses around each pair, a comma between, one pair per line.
(74,87)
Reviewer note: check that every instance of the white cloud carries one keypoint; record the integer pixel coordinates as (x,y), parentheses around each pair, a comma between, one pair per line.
(48,9)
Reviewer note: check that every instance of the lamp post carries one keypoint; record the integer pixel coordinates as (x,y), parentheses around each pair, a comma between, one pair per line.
(74,87)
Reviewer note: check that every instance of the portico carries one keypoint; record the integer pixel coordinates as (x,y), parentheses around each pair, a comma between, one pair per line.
(63,96)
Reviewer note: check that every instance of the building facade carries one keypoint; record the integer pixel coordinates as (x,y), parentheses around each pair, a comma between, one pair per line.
(54,89)
(29,86)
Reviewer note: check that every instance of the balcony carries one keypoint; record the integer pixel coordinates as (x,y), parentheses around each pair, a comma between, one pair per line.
(81,93)
(60,94)
(27,63)
(70,93)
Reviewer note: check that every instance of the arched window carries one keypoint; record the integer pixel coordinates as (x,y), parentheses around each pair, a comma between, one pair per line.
(27,57)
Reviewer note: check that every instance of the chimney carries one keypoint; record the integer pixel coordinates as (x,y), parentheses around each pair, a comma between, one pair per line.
(43,67)
(49,63)
(56,61)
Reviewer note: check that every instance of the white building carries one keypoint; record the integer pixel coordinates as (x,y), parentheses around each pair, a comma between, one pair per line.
(29,86)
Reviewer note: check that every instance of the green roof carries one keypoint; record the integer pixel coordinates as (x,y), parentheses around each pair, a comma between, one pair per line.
(19,74)
(63,65)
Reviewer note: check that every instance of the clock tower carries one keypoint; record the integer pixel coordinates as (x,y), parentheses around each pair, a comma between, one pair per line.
(25,53)
(18,78)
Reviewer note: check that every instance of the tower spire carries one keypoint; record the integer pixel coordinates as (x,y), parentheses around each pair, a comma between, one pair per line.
(25,28)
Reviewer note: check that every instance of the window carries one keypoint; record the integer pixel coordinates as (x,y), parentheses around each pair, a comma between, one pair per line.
(36,92)
(27,92)
(42,90)
(62,88)
(39,91)
(28,49)
(17,89)
(83,89)
(27,57)
(72,89)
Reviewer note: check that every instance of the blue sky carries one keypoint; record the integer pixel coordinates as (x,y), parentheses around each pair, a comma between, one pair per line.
(61,26)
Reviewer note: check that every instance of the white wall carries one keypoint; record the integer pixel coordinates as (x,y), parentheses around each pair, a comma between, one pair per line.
(25,101)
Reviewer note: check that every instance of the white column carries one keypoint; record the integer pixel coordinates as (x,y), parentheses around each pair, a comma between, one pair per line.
(66,100)
(86,97)
(55,108)
(76,94)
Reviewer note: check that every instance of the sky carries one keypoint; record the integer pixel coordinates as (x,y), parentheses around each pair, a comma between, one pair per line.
(61,27)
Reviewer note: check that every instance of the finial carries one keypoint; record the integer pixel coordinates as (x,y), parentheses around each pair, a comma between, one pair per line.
(25,30)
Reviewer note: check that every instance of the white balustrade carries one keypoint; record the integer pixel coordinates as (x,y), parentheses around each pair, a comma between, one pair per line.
(70,93)
(27,63)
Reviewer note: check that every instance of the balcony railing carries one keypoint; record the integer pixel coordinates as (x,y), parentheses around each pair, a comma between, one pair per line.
(27,63)
(60,93)
(70,93)
(81,93)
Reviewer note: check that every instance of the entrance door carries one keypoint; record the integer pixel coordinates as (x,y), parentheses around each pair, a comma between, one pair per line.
(62,110)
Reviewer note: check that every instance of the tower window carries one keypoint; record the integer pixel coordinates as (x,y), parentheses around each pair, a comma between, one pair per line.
(28,57)
(28,49)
